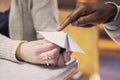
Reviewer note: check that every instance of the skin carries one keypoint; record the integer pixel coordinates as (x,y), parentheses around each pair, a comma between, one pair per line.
(34,51)
(4,5)
(89,14)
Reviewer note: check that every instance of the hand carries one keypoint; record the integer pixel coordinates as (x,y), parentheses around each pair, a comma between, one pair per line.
(63,58)
(35,51)
(89,14)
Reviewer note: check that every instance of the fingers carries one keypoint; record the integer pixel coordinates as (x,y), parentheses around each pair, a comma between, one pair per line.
(83,15)
(45,47)
(67,56)
(86,21)
(74,15)
(68,20)
(63,58)
(47,53)
(55,59)
(52,56)
(40,42)
(60,62)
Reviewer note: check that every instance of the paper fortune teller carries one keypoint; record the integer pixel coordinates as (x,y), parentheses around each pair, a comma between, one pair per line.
(63,40)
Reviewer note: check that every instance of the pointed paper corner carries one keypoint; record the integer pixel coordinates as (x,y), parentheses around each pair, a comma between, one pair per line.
(81,51)
(73,46)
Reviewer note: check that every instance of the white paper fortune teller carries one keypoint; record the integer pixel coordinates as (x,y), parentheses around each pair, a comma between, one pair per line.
(62,39)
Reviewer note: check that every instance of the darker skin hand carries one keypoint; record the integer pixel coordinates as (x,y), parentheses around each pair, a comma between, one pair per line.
(89,14)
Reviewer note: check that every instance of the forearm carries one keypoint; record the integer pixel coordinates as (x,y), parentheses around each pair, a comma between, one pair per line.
(113,27)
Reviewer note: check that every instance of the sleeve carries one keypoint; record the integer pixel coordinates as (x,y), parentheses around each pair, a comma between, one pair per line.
(8,48)
(45,15)
(113,27)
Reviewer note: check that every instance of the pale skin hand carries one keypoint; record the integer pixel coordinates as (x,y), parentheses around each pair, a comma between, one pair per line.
(34,51)
(89,14)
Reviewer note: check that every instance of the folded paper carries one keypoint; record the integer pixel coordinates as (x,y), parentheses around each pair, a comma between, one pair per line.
(63,40)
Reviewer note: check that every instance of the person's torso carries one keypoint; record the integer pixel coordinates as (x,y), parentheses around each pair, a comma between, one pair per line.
(4,21)
(20,21)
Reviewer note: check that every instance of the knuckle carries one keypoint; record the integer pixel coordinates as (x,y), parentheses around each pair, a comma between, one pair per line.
(57,48)
(54,56)
(53,61)
(52,45)
(82,20)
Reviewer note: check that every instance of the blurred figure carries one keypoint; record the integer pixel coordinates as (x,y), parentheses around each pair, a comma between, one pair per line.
(90,14)
(19,21)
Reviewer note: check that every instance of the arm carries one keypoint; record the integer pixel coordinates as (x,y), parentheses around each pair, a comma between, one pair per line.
(8,48)
(44,18)
(91,14)
(45,15)
(113,27)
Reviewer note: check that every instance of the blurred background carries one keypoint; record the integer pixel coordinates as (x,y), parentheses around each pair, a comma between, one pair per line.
(102,58)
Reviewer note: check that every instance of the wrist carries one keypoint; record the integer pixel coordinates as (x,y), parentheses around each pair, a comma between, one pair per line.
(113,11)
(18,52)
